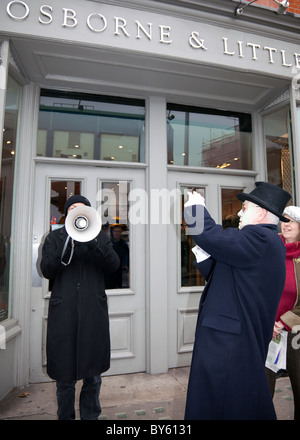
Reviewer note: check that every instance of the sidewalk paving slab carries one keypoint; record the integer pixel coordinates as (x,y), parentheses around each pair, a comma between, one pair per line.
(139,396)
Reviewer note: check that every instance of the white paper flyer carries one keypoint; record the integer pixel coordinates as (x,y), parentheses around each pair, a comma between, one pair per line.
(276,357)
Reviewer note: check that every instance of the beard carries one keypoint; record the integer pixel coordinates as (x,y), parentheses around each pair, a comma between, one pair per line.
(247,218)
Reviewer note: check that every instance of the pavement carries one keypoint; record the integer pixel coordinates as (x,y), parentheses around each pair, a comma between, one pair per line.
(139,396)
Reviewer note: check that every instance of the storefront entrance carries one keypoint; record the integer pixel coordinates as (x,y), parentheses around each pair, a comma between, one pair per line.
(126,299)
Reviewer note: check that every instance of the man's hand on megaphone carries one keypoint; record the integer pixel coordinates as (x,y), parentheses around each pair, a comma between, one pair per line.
(92,244)
(79,243)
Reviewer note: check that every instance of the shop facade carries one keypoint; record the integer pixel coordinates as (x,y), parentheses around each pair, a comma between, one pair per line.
(132,103)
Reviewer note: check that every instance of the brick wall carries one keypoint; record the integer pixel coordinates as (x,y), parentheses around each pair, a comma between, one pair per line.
(293,8)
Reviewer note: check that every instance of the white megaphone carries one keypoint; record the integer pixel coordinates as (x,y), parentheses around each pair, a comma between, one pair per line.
(83,223)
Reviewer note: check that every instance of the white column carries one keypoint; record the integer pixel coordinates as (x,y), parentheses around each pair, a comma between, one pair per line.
(157,294)
(22,234)
(258,147)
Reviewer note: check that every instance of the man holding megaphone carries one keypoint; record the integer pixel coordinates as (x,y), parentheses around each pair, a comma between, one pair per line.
(75,259)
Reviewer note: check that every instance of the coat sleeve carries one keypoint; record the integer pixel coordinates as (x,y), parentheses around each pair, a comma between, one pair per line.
(205,267)
(51,256)
(229,246)
(290,318)
(101,248)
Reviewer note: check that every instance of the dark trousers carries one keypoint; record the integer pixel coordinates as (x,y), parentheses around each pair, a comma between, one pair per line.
(293,369)
(89,403)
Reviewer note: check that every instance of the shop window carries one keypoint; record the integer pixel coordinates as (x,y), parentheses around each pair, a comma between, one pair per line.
(231,205)
(279,151)
(190,275)
(77,126)
(12,106)
(114,208)
(209,138)
(61,190)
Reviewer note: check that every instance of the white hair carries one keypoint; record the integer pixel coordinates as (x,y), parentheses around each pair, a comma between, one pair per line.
(272,218)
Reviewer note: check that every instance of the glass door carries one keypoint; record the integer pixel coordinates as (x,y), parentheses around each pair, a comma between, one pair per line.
(109,192)
(185,289)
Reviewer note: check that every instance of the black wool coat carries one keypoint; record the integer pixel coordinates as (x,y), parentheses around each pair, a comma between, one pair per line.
(78,340)
(245,278)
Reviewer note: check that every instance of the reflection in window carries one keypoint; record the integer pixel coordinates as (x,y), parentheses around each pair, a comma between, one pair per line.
(231,205)
(61,190)
(208,138)
(13,97)
(116,224)
(279,150)
(120,147)
(81,126)
(190,276)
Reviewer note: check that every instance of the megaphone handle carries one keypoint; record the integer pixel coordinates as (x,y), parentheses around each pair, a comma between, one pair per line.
(64,250)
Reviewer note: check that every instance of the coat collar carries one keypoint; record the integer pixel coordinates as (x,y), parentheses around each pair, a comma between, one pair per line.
(267,225)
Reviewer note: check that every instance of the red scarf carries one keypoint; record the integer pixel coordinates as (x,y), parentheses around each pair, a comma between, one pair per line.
(289,294)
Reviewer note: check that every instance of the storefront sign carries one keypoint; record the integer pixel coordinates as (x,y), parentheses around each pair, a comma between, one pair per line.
(138,30)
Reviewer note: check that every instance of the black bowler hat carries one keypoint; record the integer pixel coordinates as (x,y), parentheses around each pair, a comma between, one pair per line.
(268,196)
(76,199)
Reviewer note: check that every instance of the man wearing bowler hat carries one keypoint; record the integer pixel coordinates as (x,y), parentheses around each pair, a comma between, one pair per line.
(245,273)
(78,341)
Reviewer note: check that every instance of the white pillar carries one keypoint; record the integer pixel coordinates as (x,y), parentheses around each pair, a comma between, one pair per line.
(157,298)
(22,234)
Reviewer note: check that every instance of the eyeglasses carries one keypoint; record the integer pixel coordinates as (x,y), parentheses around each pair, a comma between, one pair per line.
(249,205)
(291,221)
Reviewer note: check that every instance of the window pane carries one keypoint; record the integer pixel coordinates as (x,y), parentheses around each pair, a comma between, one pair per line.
(209,138)
(120,147)
(61,190)
(76,126)
(116,224)
(190,276)
(280,163)
(231,205)
(12,106)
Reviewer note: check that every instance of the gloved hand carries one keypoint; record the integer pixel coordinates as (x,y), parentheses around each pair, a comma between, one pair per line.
(92,244)
(194,198)
(200,254)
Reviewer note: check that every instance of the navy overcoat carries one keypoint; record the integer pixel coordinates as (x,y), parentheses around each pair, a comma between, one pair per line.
(78,340)
(245,277)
